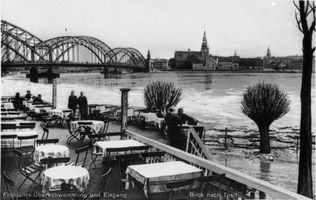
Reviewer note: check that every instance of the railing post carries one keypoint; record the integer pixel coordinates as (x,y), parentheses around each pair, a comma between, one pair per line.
(188,141)
(124,108)
(225,142)
(54,98)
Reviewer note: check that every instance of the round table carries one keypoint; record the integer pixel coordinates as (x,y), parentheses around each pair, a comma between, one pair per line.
(50,151)
(97,126)
(75,175)
(60,112)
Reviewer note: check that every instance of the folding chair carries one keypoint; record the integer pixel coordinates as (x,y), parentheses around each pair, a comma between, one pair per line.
(153,157)
(27,149)
(8,148)
(8,182)
(180,189)
(27,168)
(48,141)
(45,133)
(94,153)
(74,134)
(51,121)
(214,181)
(51,162)
(82,150)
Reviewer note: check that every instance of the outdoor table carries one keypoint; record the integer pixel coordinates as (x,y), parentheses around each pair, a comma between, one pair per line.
(63,113)
(69,174)
(103,145)
(50,151)
(96,125)
(152,117)
(7,105)
(154,176)
(18,132)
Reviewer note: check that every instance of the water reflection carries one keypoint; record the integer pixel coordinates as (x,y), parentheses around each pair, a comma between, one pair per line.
(265,170)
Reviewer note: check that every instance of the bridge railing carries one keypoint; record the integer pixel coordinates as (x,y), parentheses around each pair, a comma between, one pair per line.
(209,167)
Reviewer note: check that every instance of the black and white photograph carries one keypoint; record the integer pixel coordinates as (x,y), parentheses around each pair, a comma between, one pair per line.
(157,99)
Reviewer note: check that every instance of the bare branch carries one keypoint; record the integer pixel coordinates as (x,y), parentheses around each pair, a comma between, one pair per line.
(298,22)
(296,5)
(307,6)
(312,9)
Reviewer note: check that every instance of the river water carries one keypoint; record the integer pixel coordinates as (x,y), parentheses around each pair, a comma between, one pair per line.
(212,98)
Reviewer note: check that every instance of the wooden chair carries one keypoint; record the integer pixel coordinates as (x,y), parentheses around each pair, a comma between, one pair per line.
(27,168)
(180,189)
(48,141)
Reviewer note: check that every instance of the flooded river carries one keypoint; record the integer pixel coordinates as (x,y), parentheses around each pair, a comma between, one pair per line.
(213,98)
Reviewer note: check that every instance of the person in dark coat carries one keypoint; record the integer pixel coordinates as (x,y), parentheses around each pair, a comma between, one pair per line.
(72,102)
(185,119)
(28,95)
(83,106)
(38,99)
(18,102)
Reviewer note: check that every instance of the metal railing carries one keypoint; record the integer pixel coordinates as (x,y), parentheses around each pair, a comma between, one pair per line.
(209,167)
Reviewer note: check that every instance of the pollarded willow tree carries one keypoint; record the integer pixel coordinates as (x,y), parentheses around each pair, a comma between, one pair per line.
(306,20)
(161,95)
(264,103)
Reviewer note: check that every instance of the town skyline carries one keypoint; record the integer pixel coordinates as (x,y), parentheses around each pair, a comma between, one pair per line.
(277,28)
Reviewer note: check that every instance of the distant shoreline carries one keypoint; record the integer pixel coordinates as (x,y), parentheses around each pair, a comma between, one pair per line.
(232,71)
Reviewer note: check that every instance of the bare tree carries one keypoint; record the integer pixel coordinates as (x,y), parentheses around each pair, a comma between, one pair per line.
(304,17)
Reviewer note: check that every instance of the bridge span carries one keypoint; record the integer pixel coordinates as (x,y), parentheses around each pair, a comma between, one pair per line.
(22,48)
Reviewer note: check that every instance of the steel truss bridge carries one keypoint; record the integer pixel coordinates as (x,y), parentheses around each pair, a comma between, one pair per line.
(21,48)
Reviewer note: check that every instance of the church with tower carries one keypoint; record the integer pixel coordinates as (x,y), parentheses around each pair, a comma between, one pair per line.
(197,60)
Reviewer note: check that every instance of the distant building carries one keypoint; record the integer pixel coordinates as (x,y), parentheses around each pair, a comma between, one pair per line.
(197,60)
(159,63)
(227,63)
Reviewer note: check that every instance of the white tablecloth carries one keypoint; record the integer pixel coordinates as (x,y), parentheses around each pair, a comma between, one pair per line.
(75,175)
(18,132)
(50,150)
(103,145)
(8,105)
(97,126)
(152,117)
(154,176)
(59,112)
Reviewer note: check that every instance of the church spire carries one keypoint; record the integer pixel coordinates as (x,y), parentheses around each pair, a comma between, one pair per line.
(204,46)
(268,52)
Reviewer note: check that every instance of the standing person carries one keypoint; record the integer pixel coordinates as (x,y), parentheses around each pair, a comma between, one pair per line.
(72,102)
(83,106)
(28,95)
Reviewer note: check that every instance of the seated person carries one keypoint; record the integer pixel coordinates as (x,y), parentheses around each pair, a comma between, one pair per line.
(185,119)
(28,95)
(18,102)
(38,99)
(170,118)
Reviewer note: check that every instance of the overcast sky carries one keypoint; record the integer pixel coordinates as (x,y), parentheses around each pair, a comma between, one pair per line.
(163,26)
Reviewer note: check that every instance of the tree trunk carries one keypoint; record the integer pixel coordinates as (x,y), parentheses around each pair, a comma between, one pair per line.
(264,139)
(305,182)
